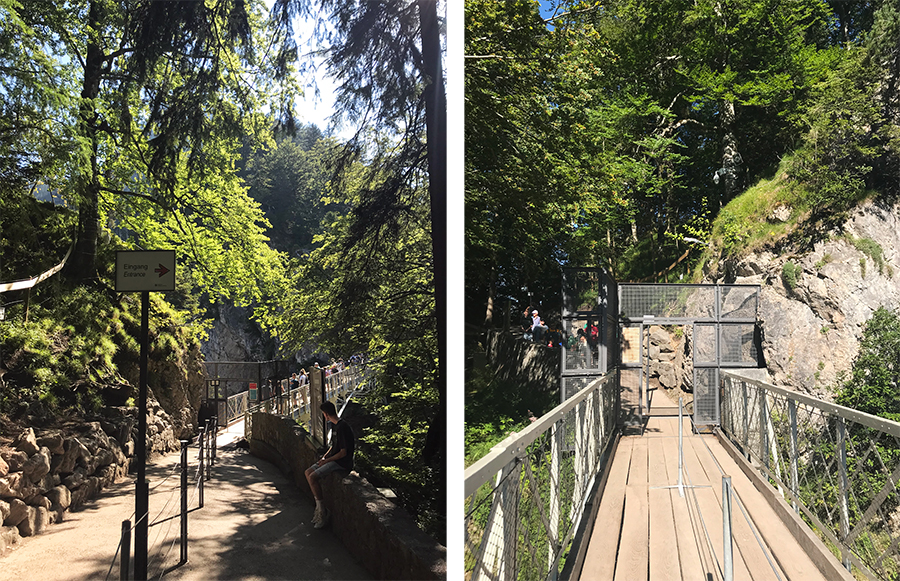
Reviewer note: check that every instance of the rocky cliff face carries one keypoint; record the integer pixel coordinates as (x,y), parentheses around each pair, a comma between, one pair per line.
(813,311)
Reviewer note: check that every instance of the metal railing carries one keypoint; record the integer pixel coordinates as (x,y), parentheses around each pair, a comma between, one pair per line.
(838,467)
(296,402)
(526,497)
(171,512)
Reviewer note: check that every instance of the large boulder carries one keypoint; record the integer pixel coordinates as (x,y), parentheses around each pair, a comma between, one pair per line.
(26,442)
(9,538)
(74,452)
(4,467)
(35,522)
(53,441)
(60,498)
(18,510)
(38,465)
(16,485)
(14,459)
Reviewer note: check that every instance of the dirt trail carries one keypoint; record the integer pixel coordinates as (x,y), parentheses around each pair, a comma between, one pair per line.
(255,525)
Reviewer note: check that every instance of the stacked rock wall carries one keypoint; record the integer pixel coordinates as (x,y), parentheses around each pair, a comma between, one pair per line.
(45,474)
(383,536)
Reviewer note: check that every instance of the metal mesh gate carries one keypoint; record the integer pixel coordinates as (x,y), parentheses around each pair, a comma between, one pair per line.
(724,334)
(590,325)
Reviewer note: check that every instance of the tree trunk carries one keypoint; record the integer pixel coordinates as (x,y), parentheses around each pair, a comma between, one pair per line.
(730,155)
(84,257)
(436,135)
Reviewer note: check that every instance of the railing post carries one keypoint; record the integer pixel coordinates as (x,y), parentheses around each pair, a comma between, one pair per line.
(210,438)
(680,448)
(555,440)
(746,419)
(844,490)
(215,435)
(795,479)
(184,500)
(763,427)
(728,559)
(125,558)
(200,466)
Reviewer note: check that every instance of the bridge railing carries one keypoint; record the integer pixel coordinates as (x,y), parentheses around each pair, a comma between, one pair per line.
(838,467)
(296,402)
(524,500)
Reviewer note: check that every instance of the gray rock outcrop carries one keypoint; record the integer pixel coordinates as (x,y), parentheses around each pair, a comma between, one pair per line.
(813,319)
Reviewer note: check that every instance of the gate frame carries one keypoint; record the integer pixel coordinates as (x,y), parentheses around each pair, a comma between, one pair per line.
(717,321)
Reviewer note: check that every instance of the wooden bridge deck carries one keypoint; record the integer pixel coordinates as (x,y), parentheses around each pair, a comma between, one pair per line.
(644,531)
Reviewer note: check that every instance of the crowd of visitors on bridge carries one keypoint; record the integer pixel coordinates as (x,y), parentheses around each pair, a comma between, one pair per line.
(581,343)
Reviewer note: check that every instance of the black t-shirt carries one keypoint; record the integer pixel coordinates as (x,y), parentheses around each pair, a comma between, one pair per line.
(342,439)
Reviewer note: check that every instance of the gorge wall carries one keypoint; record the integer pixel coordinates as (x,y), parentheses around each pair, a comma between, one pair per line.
(814,311)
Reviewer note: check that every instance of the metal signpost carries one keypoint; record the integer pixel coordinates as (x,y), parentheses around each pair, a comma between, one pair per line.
(143,271)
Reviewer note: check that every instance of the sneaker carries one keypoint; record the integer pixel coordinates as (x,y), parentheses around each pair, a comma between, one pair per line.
(323,519)
(317,516)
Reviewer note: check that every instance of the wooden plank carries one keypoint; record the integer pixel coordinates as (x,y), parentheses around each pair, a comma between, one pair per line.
(664,563)
(660,427)
(638,473)
(632,563)
(690,550)
(600,559)
(790,556)
(709,506)
(744,541)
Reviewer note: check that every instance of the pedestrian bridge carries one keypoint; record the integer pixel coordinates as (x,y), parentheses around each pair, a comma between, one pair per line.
(786,486)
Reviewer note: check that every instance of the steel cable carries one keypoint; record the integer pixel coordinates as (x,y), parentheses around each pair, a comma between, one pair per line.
(737,497)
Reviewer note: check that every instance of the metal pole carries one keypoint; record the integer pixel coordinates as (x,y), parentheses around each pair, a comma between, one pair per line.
(795,479)
(125,559)
(763,427)
(184,501)
(728,560)
(844,490)
(209,436)
(746,420)
(680,449)
(141,495)
(200,465)
(215,434)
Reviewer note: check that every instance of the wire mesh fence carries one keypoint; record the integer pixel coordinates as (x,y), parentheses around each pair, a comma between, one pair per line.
(296,402)
(524,500)
(837,466)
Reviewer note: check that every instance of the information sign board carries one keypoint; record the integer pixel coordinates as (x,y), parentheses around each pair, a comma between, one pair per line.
(145,270)
(252,390)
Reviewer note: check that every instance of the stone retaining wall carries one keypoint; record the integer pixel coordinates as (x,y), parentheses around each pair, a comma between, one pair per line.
(43,475)
(383,537)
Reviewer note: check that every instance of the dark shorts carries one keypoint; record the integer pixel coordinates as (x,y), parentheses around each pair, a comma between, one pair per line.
(326,469)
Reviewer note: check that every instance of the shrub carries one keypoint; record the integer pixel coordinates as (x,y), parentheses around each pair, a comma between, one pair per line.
(790,272)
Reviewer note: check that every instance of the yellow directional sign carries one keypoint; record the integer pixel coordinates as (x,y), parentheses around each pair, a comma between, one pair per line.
(145,270)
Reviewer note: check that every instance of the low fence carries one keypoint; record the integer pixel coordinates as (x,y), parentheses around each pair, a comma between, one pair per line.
(838,467)
(526,497)
(159,556)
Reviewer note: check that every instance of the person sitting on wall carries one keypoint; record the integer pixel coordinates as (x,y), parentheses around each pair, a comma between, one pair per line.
(338,457)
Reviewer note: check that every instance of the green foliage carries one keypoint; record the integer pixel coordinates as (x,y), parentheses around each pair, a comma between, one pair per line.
(874,383)
(826,258)
(790,272)
(873,250)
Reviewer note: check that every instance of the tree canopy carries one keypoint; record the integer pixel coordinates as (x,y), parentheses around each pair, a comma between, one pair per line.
(609,133)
